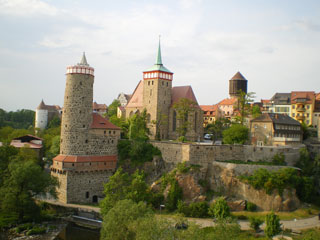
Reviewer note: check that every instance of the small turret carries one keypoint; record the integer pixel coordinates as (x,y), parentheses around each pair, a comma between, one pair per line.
(237,83)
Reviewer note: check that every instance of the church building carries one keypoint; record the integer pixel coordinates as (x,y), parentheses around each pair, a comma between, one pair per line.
(156,94)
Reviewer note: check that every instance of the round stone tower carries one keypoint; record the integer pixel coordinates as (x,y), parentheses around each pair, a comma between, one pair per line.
(77,109)
(41,116)
(237,83)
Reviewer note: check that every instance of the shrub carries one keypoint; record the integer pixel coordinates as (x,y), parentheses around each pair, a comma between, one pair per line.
(175,194)
(273,225)
(219,209)
(251,207)
(36,230)
(279,159)
(255,223)
(197,209)
(156,199)
(183,168)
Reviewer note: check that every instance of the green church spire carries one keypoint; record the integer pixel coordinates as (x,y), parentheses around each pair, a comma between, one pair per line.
(159,60)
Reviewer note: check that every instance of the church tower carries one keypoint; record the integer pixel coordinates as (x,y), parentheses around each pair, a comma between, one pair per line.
(77,109)
(157,85)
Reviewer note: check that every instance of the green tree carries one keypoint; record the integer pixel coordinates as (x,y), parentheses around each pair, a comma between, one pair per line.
(237,133)
(219,209)
(183,108)
(243,105)
(255,111)
(174,195)
(115,189)
(113,108)
(161,121)
(24,180)
(55,122)
(117,221)
(218,127)
(138,129)
(273,225)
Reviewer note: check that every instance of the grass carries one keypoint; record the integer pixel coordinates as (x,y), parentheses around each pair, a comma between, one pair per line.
(297,214)
(313,234)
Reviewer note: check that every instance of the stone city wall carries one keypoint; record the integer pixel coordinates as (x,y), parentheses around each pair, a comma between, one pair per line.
(203,154)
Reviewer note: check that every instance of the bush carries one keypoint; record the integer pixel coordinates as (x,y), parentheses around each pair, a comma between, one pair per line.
(36,230)
(237,133)
(197,209)
(174,195)
(251,207)
(183,168)
(156,199)
(219,209)
(273,225)
(255,223)
(279,159)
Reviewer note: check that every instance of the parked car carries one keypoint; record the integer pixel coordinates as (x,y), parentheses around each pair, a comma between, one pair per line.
(208,136)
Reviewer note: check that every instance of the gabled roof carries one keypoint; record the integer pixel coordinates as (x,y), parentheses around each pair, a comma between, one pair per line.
(276,118)
(27,138)
(180,92)
(307,95)
(43,106)
(99,122)
(265,101)
(136,99)
(228,101)
(238,76)
(95,105)
(281,98)
(209,110)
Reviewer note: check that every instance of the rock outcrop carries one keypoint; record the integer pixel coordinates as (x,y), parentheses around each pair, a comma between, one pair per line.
(224,179)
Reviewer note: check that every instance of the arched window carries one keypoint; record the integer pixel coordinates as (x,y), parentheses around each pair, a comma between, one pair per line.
(174,121)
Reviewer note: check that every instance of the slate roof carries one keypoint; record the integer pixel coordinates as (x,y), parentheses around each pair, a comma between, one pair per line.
(276,118)
(99,122)
(281,99)
(180,92)
(238,76)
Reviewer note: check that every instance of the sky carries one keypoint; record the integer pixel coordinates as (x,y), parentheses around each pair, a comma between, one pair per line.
(274,44)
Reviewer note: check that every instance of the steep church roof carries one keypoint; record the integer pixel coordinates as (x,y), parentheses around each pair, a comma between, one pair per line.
(238,76)
(158,66)
(83,61)
(41,105)
(136,99)
(183,92)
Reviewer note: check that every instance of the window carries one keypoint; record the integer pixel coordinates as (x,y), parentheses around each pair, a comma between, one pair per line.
(307,114)
(148,83)
(86,141)
(293,114)
(152,82)
(87,194)
(308,106)
(167,84)
(293,106)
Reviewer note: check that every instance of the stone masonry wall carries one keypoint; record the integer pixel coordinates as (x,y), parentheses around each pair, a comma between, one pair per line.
(204,153)
(81,187)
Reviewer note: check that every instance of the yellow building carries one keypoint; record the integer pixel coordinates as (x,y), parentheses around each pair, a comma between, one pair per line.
(210,114)
(302,106)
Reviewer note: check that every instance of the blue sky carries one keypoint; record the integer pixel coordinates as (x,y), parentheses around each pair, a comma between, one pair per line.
(274,44)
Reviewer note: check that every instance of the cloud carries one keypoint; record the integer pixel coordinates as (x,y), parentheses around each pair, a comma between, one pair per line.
(24,8)
(305,25)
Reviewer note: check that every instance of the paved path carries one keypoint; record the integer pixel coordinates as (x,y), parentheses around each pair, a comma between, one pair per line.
(292,224)
(298,224)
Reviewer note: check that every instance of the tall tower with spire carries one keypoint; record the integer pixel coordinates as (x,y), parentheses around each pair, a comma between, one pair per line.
(88,143)
(157,86)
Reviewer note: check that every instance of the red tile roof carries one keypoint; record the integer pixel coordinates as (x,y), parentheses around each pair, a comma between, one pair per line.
(180,92)
(309,96)
(136,99)
(228,101)
(43,106)
(99,122)
(95,106)
(65,158)
(264,101)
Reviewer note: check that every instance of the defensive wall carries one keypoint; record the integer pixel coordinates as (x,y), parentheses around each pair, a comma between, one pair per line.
(203,154)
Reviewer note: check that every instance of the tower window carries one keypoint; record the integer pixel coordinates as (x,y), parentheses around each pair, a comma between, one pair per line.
(150,92)
(114,132)
(83,126)
(86,140)
(109,132)
(80,83)
(167,84)
(162,83)
(152,82)
(66,125)
(148,83)
(87,194)
(104,131)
